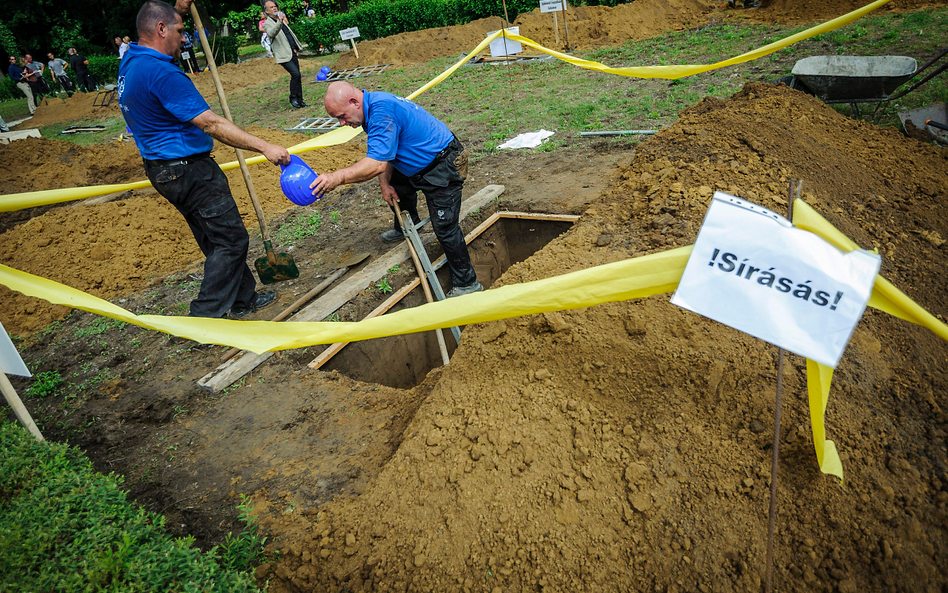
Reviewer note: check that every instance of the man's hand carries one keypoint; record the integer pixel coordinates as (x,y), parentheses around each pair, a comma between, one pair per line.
(183,6)
(326,182)
(388,193)
(276,154)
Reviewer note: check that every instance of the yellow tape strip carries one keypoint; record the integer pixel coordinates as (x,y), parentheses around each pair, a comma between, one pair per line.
(19,201)
(681,71)
(630,279)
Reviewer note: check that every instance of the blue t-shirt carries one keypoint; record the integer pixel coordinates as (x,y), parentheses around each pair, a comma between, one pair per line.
(401,132)
(158,101)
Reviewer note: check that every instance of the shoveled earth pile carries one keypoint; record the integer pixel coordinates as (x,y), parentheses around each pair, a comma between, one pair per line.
(627,447)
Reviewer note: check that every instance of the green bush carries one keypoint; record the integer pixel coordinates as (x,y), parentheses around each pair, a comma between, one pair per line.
(227,48)
(8,90)
(64,527)
(104,69)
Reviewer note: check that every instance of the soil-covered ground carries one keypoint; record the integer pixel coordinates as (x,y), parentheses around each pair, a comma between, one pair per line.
(624,447)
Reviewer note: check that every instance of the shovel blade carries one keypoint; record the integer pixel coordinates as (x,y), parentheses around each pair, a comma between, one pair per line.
(276,267)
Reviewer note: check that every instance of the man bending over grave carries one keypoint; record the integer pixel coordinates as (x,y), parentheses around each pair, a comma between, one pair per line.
(408,150)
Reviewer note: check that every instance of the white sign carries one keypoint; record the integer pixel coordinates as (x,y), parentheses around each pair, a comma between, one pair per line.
(350,33)
(503,46)
(10,360)
(752,270)
(552,5)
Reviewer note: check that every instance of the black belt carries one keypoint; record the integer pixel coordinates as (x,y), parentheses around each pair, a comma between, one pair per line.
(183,161)
(438,158)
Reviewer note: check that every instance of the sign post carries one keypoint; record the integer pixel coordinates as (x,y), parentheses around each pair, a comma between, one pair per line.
(553,6)
(10,362)
(351,33)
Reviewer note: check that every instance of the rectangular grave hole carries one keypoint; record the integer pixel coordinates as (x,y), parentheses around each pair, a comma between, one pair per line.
(404,361)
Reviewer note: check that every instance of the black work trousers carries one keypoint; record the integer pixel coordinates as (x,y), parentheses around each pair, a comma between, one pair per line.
(85,82)
(441,183)
(296,79)
(197,187)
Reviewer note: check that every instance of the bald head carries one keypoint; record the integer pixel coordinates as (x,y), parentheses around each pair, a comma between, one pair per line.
(344,102)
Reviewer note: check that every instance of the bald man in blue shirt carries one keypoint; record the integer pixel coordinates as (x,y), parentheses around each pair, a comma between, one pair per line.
(175,130)
(408,150)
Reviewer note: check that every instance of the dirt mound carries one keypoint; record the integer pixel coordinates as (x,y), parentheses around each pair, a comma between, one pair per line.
(808,11)
(53,110)
(115,248)
(625,447)
(589,26)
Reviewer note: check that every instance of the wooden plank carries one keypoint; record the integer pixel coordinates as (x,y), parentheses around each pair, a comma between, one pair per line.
(237,367)
(390,302)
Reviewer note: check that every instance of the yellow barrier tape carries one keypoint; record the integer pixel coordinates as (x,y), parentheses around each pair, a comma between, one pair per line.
(681,71)
(19,201)
(629,279)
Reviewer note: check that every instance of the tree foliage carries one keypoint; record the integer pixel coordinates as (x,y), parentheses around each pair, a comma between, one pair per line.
(40,26)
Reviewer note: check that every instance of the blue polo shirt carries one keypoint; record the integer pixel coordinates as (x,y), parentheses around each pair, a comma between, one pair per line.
(158,100)
(401,132)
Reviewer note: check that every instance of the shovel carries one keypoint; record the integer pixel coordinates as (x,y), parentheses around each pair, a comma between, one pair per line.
(342,268)
(273,267)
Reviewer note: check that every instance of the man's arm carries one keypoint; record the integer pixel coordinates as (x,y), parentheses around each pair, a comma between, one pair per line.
(229,133)
(385,183)
(362,171)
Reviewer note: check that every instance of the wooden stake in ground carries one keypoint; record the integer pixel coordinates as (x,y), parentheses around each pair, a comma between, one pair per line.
(772,516)
(556,29)
(9,393)
(353,42)
(565,25)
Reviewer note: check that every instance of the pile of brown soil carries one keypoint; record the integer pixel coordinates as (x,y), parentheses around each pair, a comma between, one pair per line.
(808,11)
(589,26)
(626,447)
(79,107)
(116,248)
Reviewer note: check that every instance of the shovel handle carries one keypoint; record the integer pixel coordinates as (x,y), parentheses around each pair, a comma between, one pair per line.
(936,124)
(212,66)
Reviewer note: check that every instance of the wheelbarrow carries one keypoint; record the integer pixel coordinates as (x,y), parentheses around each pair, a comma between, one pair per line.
(861,79)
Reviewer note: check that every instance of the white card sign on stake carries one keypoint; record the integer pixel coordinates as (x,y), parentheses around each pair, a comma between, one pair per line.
(552,5)
(503,46)
(350,33)
(752,270)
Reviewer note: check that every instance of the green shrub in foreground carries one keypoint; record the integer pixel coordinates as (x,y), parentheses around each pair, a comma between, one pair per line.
(64,527)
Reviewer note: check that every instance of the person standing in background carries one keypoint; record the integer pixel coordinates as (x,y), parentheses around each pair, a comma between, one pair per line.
(286,50)
(264,38)
(19,77)
(121,45)
(58,67)
(80,65)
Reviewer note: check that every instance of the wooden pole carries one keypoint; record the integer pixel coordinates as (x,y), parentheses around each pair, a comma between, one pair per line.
(556,28)
(353,42)
(565,25)
(9,393)
(220,95)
